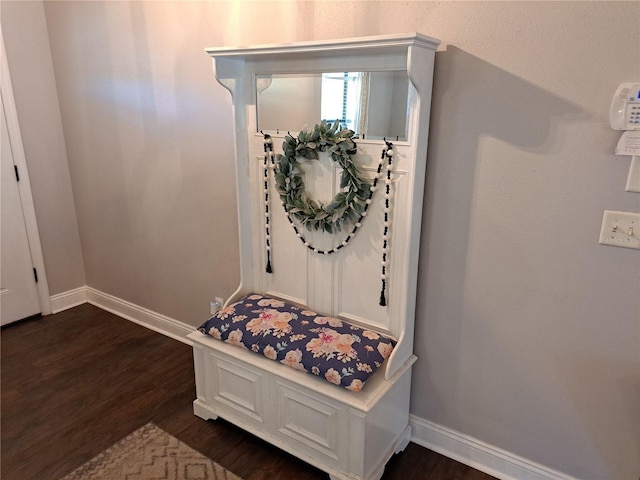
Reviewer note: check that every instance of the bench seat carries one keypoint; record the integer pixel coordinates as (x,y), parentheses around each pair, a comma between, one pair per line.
(339,352)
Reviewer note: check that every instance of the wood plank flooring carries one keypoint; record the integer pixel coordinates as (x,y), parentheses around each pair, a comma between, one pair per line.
(74,383)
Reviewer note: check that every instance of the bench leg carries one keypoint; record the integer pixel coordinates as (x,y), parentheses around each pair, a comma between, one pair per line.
(203,411)
(404,441)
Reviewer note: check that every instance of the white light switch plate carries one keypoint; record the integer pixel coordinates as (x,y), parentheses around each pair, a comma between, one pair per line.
(620,229)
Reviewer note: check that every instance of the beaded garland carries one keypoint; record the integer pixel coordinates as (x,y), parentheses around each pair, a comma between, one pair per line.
(387,154)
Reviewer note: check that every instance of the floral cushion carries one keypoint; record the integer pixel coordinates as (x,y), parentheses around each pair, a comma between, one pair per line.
(339,352)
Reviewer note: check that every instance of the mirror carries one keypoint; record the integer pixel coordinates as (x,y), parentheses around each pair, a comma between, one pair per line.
(373,104)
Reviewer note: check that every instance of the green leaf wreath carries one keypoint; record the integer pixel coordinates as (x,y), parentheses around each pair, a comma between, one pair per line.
(348,205)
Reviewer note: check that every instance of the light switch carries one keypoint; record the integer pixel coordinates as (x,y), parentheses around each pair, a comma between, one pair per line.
(620,229)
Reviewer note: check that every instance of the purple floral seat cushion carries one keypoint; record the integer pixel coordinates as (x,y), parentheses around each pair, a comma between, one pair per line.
(335,350)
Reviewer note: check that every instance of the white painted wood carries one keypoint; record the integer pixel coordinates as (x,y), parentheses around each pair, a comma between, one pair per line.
(349,435)
(478,454)
(379,43)
(69,299)
(19,294)
(143,316)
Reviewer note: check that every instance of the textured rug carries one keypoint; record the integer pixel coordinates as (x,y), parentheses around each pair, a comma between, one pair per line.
(150,453)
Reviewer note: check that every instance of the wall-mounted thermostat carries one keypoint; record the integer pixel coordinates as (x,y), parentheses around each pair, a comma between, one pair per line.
(625,107)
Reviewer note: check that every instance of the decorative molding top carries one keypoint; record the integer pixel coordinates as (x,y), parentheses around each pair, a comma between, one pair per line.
(390,43)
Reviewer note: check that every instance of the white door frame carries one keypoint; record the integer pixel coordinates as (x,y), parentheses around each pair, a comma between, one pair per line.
(24,186)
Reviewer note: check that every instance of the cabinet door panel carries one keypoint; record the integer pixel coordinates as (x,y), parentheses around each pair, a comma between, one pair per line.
(240,388)
(315,425)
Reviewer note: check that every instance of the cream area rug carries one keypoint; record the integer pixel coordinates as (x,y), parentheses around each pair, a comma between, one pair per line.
(150,453)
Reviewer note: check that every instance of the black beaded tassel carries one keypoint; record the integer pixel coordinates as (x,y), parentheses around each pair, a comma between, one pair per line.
(388,153)
(268,155)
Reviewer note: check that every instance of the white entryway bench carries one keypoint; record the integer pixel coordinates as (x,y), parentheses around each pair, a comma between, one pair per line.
(318,307)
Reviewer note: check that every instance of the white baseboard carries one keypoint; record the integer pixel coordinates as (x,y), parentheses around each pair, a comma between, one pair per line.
(142,316)
(65,300)
(478,454)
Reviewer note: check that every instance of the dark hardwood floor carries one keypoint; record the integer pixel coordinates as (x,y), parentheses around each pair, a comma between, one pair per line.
(74,383)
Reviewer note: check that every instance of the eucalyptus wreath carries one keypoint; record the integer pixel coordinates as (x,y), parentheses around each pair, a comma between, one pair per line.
(348,205)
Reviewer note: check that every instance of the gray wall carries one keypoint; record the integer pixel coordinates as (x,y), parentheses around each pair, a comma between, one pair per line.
(28,55)
(527,330)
